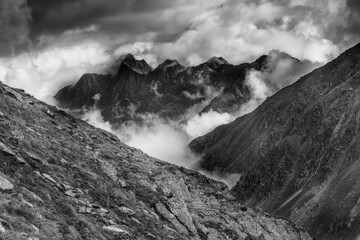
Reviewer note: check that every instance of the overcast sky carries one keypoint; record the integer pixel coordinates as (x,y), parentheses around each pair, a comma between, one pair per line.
(44,39)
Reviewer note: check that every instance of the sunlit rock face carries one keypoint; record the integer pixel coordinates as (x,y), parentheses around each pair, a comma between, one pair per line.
(61,178)
(298,152)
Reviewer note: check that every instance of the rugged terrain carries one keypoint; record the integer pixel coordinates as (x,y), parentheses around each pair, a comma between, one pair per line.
(299,151)
(169,91)
(61,178)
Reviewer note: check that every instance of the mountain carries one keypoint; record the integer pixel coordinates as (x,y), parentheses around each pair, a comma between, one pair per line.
(298,152)
(170,90)
(61,178)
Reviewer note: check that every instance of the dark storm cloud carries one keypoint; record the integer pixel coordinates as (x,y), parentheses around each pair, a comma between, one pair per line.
(112,16)
(354,20)
(14,24)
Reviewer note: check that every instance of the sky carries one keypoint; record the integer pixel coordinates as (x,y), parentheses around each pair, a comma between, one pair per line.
(49,44)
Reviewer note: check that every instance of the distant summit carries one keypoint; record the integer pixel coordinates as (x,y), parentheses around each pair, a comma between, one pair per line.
(217,60)
(128,60)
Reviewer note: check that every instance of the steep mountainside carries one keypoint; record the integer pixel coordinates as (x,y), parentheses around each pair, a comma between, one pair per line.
(169,91)
(299,151)
(61,178)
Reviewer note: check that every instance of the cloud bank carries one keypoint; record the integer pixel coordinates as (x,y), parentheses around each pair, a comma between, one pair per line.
(53,43)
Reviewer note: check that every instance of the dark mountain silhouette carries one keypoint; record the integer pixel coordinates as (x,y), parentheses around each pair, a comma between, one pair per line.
(61,178)
(299,151)
(170,90)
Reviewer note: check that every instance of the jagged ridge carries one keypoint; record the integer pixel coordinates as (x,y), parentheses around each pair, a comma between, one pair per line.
(168,91)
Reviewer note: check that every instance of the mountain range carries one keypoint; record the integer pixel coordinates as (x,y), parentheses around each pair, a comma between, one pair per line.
(298,152)
(170,90)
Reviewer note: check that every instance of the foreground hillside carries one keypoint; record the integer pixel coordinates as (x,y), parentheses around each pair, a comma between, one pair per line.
(299,151)
(61,178)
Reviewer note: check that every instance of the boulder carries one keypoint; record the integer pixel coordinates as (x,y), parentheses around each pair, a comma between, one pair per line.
(6,150)
(5,185)
(115,230)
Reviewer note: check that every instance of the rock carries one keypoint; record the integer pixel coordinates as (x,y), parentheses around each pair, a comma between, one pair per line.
(50,114)
(102,211)
(122,183)
(168,193)
(2,229)
(49,178)
(108,222)
(36,229)
(74,193)
(82,210)
(164,212)
(6,224)
(65,187)
(126,210)
(20,160)
(115,230)
(135,220)
(6,150)
(5,185)
(31,195)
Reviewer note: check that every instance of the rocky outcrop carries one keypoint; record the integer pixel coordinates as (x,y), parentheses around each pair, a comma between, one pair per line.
(169,91)
(298,152)
(79,182)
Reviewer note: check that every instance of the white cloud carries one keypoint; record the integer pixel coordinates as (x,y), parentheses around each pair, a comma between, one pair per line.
(95,118)
(199,125)
(44,72)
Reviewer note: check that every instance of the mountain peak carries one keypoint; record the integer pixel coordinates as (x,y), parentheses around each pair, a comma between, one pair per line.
(217,60)
(169,63)
(127,57)
(128,60)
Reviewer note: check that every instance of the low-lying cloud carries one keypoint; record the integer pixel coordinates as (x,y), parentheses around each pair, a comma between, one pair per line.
(168,139)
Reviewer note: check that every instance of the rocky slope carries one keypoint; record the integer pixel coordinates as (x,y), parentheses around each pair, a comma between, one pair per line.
(170,90)
(299,151)
(61,178)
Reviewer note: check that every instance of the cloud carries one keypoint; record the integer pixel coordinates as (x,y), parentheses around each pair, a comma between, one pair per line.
(199,125)
(14,21)
(241,31)
(95,118)
(281,70)
(159,138)
(43,73)
(127,17)
(194,31)
(70,44)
